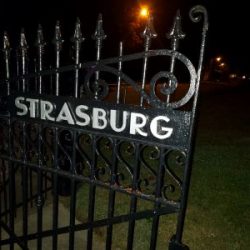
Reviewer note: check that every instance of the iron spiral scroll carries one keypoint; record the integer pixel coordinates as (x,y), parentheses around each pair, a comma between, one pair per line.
(151,98)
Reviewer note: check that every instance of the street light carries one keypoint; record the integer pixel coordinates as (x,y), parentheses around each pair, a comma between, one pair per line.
(144,12)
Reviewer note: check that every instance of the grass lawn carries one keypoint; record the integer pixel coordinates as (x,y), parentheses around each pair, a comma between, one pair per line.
(218,215)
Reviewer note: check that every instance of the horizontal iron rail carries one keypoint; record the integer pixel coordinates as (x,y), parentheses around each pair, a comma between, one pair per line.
(99,223)
(20,204)
(60,172)
(15,237)
(111,60)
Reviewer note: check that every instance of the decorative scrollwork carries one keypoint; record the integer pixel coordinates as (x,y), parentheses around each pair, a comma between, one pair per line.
(93,90)
(97,88)
(104,154)
(65,144)
(174,168)
(17,140)
(164,89)
(47,146)
(149,158)
(196,13)
(125,157)
(32,142)
(83,148)
(171,78)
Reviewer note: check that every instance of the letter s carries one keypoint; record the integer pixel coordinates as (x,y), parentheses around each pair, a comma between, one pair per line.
(21,106)
(80,113)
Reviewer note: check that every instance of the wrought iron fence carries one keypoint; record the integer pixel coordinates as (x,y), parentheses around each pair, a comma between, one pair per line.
(90,125)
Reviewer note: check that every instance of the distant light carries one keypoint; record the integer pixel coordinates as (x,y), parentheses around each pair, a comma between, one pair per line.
(232,75)
(244,77)
(222,65)
(218,59)
(144,12)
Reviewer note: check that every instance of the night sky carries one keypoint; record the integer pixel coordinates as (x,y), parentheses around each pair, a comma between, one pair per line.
(228,32)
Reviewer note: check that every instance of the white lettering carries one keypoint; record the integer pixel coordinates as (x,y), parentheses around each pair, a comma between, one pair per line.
(21,106)
(131,123)
(155,127)
(99,118)
(137,121)
(114,120)
(80,113)
(33,106)
(46,108)
(65,115)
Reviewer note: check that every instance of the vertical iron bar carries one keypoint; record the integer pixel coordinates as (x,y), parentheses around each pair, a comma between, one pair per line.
(73,194)
(112,195)
(30,189)
(119,73)
(18,70)
(147,34)
(36,88)
(11,187)
(40,49)
(39,204)
(133,202)
(4,203)
(55,192)
(58,41)
(144,69)
(23,50)
(200,10)
(58,46)
(92,193)
(114,159)
(159,183)
(11,172)
(6,50)
(175,35)
(6,198)
(99,36)
(72,214)
(40,199)
(25,186)
(51,91)
(77,39)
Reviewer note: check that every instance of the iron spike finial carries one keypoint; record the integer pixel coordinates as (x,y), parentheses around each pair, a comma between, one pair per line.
(99,32)
(6,42)
(78,37)
(176,32)
(23,41)
(40,38)
(149,31)
(58,41)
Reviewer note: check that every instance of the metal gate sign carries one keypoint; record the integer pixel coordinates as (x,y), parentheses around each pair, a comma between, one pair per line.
(92,133)
(167,128)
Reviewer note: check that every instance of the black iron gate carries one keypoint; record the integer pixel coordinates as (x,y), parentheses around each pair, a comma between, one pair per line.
(112,150)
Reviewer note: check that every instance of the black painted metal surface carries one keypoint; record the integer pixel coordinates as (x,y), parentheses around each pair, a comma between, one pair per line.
(92,132)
